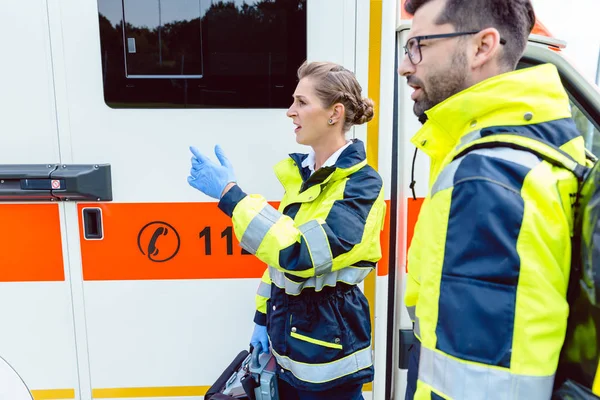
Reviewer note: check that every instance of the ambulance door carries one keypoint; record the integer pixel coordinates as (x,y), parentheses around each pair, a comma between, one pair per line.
(37,342)
(167,293)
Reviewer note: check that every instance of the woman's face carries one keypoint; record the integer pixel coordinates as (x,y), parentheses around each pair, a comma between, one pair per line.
(308,114)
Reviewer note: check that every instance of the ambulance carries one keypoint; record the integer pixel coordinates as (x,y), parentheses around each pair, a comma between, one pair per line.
(120,281)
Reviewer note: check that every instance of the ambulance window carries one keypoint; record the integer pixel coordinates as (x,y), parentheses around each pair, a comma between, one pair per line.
(587,129)
(201,53)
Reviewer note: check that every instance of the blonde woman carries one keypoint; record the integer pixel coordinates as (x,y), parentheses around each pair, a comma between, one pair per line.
(321,243)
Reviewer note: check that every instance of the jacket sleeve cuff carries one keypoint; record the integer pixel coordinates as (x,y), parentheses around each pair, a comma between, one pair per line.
(260,318)
(231,199)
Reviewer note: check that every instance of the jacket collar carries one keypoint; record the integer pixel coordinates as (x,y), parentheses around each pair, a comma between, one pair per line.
(522,97)
(291,173)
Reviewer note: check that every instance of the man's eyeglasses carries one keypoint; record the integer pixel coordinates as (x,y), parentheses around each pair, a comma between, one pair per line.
(413,45)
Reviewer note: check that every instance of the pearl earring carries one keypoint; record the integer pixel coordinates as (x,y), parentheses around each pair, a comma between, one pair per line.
(330,122)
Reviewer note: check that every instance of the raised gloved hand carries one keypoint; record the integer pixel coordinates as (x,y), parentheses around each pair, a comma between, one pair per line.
(260,336)
(209,177)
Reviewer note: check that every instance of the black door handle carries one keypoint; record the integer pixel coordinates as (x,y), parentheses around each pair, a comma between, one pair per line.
(92,223)
(39,182)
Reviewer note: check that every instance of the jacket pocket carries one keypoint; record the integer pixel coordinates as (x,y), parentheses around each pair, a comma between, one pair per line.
(314,336)
(335,345)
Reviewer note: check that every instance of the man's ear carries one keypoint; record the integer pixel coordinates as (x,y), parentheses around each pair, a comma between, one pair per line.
(338,112)
(487,45)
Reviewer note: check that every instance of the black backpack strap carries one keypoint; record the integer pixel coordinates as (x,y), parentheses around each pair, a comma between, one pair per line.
(543,150)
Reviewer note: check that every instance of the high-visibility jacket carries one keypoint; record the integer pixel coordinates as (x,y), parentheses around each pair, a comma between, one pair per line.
(489,263)
(321,243)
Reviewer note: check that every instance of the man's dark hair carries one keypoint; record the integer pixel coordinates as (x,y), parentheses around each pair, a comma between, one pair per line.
(514,19)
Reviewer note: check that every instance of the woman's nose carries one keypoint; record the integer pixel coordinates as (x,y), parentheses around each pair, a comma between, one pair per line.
(291,112)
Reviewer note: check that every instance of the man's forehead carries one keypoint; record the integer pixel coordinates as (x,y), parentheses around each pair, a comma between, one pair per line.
(424,20)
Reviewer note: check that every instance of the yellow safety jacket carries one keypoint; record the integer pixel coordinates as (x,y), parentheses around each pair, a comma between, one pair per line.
(321,243)
(490,259)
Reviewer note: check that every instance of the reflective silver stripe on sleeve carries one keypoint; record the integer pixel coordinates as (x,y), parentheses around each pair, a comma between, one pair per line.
(411,312)
(322,373)
(417,328)
(264,290)
(349,275)
(259,226)
(318,246)
(446,178)
(458,380)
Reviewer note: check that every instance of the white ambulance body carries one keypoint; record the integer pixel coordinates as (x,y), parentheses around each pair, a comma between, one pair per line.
(117,279)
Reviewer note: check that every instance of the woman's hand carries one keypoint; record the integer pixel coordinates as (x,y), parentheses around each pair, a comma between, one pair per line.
(260,336)
(208,177)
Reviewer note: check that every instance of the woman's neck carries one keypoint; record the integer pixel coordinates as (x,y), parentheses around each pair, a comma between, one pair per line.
(324,150)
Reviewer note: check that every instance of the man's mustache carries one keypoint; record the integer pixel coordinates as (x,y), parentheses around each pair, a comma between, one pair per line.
(414,81)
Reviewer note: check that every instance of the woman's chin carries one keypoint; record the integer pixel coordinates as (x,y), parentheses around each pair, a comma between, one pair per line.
(300,139)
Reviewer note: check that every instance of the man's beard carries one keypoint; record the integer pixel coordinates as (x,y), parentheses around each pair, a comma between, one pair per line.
(442,85)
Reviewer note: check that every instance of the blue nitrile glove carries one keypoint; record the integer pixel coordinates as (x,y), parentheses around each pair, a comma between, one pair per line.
(260,336)
(209,177)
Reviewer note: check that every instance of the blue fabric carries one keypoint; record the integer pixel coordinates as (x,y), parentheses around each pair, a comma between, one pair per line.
(231,199)
(340,312)
(260,318)
(491,168)
(557,132)
(480,273)
(296,257)
(413,370)
(344,392)
(352,155)
(436,397)
(345,222)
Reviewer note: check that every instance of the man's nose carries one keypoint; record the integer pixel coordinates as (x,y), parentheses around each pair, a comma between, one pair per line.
(406,68)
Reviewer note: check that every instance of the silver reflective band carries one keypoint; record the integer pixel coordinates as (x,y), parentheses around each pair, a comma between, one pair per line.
(321,373)
(468,138)
(318,246)
(417,328)
(349,275)
(259,226)
(412,312)
(446,178)
(458,380)
(264,290)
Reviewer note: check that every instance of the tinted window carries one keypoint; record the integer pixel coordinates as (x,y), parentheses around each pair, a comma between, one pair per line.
(201,53)
(587,130)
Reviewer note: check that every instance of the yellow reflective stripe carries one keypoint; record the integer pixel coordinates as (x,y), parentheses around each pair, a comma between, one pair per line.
(316,341)
(259,226)
(349,275)
(318,246)
(53,394)
(460,380)
(142,392)
(326,372)
(596,385)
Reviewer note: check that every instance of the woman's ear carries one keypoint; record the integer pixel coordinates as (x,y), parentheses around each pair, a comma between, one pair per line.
(338,113)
